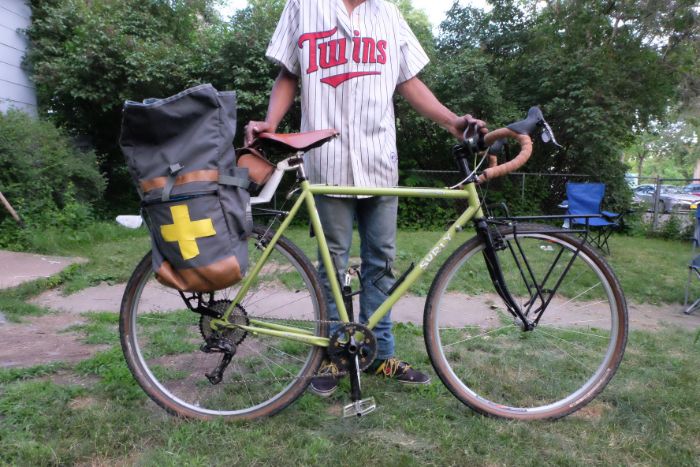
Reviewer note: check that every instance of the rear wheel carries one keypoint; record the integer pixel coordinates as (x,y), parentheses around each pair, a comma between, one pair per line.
(161,339)
(480,350)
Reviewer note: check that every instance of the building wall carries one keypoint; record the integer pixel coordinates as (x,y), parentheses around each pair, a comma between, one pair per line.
(16,90)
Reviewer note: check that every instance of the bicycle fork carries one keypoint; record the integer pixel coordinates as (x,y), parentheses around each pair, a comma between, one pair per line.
(496,274)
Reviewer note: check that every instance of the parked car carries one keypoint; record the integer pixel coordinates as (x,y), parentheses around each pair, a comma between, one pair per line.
(643,194)
(671,198)
(692,189)
(678,202)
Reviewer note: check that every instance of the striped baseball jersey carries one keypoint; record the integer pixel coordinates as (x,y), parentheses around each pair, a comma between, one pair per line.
(349,67)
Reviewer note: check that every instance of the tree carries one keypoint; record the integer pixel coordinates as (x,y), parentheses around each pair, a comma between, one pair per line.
(669,149)
(48,180)
(88,56)
(241,64)
(602,70)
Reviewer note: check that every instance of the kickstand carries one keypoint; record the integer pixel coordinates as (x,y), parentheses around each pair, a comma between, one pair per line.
(355,385)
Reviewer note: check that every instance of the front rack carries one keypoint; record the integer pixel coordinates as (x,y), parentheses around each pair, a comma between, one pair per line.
(582,232)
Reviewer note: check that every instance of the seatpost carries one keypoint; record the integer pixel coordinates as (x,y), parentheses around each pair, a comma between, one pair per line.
(298,160)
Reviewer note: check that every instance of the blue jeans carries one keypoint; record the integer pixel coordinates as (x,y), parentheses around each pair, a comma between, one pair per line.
(376,222)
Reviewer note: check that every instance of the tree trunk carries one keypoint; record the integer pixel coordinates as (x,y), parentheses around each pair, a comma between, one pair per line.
(640,163)
(696,172)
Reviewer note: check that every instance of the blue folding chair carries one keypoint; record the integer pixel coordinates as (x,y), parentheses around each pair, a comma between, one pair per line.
(586,199)
(693,268)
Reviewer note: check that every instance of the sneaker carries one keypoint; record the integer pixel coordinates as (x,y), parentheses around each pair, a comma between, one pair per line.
(400,371)
(326,382)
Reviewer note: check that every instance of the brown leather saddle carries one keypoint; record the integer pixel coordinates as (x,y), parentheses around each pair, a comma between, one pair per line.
(293,142)
(260,169)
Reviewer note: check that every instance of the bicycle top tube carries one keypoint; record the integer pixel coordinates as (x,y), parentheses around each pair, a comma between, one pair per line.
(295,163)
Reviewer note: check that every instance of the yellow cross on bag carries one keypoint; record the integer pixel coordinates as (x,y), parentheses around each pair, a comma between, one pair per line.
(186,232)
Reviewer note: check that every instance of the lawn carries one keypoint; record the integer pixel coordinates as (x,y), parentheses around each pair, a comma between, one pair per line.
(92,412)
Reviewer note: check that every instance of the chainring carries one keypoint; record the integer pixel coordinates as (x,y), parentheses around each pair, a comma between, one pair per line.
(238,316)
(340,349)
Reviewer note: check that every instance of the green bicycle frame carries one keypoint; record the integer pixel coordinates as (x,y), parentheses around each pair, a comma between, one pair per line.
(307,197)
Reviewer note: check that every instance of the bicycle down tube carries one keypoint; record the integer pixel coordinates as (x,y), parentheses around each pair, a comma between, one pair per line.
(307,197)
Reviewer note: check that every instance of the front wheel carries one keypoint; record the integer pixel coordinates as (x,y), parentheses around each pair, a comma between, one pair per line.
(161,338)
(481,351)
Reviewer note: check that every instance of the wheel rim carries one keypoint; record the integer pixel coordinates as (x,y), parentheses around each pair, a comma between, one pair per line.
(490,363)
(265,374)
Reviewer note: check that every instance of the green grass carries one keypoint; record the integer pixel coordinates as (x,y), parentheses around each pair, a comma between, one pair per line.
(101,328)
(9,375)
(652,270)
(648,415)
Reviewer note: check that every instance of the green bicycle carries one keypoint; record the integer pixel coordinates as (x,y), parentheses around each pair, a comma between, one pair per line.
(547,340)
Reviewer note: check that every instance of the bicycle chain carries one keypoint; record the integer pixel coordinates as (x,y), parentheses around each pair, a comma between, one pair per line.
(289,378)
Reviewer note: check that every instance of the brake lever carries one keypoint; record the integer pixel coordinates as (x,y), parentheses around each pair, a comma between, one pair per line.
(547,134)
(473,138)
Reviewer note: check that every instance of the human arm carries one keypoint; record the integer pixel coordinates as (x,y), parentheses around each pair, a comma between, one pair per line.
(421,98)
(281,98)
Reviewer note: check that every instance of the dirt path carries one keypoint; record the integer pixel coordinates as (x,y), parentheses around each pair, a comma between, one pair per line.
(43,339)
(46,338)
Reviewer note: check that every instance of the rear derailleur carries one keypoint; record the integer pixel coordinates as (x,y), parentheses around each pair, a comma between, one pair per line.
(224,346)
(224,340)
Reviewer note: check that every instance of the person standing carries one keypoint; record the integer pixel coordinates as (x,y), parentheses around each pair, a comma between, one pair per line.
(349,58)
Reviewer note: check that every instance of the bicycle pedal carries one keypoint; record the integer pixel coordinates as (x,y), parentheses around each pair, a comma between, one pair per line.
(359,408)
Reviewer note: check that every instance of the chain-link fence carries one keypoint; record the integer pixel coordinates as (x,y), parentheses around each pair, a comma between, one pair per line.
(663,200)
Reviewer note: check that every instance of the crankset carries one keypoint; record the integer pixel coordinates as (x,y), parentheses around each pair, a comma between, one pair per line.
(352,341)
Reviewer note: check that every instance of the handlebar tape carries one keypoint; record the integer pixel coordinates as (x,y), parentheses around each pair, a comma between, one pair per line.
(494,170)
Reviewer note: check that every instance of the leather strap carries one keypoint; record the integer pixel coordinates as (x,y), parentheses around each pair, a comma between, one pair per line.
(194,176)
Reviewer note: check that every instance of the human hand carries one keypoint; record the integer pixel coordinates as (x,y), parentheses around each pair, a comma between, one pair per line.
(253,128)
(465,126)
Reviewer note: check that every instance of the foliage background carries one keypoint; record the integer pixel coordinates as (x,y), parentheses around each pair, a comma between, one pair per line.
(605,73)
(50,182)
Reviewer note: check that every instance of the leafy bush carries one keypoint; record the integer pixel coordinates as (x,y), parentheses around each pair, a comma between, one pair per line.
(672,227)
(48,181)
(424,213)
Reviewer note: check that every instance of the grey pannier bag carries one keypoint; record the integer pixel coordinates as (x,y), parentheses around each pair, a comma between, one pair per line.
(179,151)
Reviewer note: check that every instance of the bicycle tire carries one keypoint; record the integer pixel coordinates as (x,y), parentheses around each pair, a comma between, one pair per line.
(161,339)
(485,358)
